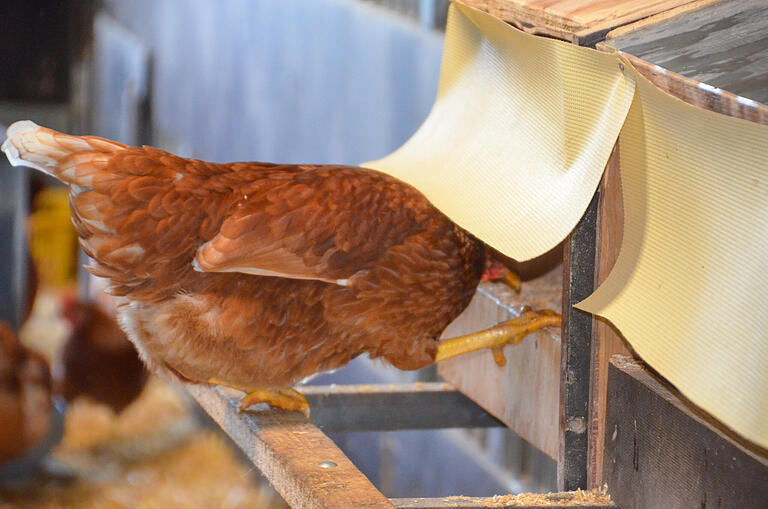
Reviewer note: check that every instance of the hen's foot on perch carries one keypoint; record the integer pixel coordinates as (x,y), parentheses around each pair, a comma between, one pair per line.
(510,332)
(287,398)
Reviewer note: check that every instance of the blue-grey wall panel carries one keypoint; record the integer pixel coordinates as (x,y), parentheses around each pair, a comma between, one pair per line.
(320,81)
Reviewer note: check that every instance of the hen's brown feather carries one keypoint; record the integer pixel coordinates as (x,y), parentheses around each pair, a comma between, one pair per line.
(365,262)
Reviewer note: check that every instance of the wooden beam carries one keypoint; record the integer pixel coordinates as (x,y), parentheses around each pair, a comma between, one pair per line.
(606,340)
(661,451)
(300,462)
(658,18)
(388,407)
(523,394)
(582,22)
(722,44)
(691,91)
(575,357)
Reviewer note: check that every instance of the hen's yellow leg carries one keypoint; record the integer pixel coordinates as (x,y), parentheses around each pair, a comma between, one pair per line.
(286,398)
(510,332)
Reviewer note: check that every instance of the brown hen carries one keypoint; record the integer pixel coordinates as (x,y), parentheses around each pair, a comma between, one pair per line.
(98,360)
(25,396)
(257,275)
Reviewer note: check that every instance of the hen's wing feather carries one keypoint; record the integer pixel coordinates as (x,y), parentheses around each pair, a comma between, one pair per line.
(327,223)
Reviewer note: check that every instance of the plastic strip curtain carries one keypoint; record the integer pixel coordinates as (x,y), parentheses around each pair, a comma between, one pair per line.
(518,137)
(689,290)
(513,151)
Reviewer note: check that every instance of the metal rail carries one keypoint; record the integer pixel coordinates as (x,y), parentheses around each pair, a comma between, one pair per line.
(389,407)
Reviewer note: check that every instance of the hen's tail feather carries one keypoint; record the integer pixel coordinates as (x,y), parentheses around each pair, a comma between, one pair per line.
(71,159)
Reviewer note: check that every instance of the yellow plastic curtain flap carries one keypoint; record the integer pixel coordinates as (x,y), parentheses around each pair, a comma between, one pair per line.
(513,150)
(689,290)
(519,134)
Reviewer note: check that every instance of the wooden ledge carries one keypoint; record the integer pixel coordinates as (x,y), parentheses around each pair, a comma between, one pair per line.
(300,462)
(662,452)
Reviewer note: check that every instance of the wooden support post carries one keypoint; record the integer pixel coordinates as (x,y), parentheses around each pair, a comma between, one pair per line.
(575,357)
(606,340)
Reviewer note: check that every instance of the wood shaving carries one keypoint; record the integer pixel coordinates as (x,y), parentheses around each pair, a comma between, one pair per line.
(564,499)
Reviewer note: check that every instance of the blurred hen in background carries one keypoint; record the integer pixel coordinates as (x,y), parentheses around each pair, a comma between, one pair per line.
(25,396)
(98,361)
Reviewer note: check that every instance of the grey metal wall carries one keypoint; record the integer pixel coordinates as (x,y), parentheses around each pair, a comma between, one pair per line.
(317,81)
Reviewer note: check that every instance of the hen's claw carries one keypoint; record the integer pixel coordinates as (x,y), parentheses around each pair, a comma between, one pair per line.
(498,356)
(286,398)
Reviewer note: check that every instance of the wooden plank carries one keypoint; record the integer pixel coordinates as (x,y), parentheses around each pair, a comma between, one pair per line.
(606,340)
(722,45)
(661,452)
(300,462)
(691,91)
(582,499)
(658,18)
(390,407)
(576,21)
(575,357)
(598,31)
(524,394)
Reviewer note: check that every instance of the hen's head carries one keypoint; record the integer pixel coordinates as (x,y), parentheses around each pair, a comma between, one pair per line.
(74,311)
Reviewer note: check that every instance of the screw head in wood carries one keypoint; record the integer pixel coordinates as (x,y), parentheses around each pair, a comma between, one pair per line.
(327,464)
(576,425)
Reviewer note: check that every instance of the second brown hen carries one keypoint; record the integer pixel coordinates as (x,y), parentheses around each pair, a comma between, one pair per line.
(98,361)
(258,275)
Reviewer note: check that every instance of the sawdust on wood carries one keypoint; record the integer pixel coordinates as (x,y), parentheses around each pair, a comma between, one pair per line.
(570,499)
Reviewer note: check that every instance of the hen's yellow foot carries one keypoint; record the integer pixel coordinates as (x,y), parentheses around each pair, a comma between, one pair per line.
(286,398)
(510,332)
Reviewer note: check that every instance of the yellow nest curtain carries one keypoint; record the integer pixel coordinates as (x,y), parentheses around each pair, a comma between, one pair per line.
(518,137)
(513,150)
